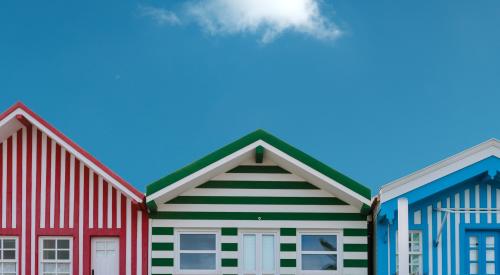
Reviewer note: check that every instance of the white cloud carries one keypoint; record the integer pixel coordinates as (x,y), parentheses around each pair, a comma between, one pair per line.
(159,15)
(265,18)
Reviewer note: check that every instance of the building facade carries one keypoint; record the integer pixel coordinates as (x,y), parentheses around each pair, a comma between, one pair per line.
(443,219)
(62,211)
(258,206)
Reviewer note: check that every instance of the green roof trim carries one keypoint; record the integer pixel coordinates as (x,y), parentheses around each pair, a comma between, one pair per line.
(247,140)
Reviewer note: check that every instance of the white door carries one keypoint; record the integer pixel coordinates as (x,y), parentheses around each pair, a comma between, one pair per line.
(259,255)
(105,256)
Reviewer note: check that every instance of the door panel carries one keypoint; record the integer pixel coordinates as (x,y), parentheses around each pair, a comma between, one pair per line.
(481,255)
(259,254)
(105,256)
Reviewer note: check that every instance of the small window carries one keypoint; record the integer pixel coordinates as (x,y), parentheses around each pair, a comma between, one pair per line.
(319,252)
(8,256)
(197,252)
(55,256)
(414,252)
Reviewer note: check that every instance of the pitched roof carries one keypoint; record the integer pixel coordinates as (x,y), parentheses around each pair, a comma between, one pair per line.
(19,115)
(247,144)
(440,169)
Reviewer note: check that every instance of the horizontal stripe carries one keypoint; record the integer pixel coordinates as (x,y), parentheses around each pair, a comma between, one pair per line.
(356,240)
(288,263)
(355,255)
(288,232)
(250,224)
(162,262)
(229,231)
(257,177)
(163,231)
(256,200)
(355,263)
(162,246)
(351,247)
(229,262)
(258,216)
(288,247)
(257,208)
(225,192)
(162,238)
(355,232)
(258,169)
(162,254)
(258,184)
(229,247)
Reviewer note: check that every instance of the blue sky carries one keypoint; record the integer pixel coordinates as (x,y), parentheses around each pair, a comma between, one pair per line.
(376,89)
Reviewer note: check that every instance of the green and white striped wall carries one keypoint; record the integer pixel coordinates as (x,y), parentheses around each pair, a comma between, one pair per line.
(259,196)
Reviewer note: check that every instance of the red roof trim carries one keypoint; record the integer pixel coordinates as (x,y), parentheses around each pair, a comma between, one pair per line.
(20,105)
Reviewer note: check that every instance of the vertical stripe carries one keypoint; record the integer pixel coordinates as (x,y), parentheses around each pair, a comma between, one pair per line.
(8,209)
(110,206)
(80,220)
(448,238)
(457,242)
(14,181)
(133,239)
(488,201)
(71,191)
(34,192)
(477,204)
(91,200)
(128,239)
(4,184)
(99,203)
(467,205)
(139,243)
(23,200)
(498,204)
(52,182)
(96,199)
(388,249)
(118,209)
(57,184)
(67,198)
(62,187)
(43,170)
(440,243)
(105,187)
(430,238)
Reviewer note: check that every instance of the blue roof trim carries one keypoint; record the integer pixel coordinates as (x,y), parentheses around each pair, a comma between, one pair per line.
(490,165)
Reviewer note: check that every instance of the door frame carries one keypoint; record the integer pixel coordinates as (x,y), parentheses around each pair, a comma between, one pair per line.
(257,231)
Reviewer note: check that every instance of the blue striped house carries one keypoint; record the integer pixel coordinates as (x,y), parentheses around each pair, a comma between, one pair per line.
(443,219)
(258,206)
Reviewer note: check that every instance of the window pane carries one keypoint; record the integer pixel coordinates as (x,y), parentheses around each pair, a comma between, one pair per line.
(49,244)
(490,255)
(197,242)
(204,261)
(490,268)
(63,244)
(9,244)
(49,267)
(49,255)
(63,255)
(9,267)
(473,255)
(63,268)
(249,252)
(319,243)
(268,253)
(319,262)
(473,268)
(473,242)
(9,254)
(490,242)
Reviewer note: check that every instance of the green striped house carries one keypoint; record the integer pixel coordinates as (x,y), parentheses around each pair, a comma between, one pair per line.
(258,206)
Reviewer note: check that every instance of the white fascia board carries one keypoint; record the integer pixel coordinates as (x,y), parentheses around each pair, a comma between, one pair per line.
(438,170)
(280,157)
(72,150)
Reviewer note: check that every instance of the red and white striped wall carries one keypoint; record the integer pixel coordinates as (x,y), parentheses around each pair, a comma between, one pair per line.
(51,187)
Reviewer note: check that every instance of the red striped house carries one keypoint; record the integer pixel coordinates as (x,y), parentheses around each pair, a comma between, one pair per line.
(61,210)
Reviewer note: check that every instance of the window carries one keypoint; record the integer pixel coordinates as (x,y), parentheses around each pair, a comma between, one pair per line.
(8,256)
(259,254)
(197,252)
(414,252)
(55,256)
(319,252)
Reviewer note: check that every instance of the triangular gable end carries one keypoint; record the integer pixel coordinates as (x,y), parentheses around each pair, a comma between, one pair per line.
(19,116)
(248,146)
(428,175)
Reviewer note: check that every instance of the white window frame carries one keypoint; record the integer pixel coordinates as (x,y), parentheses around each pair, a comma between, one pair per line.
(41,261)
(339,252)
(412,253)
(177,254)
(275,233)
(2,238)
